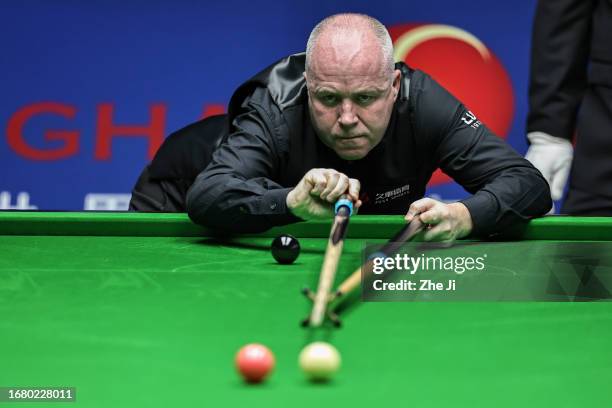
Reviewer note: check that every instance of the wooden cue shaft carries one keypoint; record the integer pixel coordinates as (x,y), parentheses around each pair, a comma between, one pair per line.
(328,270)
(405,234)
(351,282)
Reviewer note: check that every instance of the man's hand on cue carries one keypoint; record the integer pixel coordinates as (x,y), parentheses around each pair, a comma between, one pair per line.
(319,188)
(446,222)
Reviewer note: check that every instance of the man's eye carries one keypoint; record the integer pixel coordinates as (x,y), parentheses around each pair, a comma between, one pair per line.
(364,99)
(328,99)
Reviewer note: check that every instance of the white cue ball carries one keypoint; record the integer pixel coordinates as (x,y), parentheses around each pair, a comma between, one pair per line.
(319,361)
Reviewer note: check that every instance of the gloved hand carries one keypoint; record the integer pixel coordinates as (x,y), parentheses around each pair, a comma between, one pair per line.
(553,157)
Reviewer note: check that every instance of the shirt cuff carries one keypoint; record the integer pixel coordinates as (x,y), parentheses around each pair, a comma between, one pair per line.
(483,208)
(274,207)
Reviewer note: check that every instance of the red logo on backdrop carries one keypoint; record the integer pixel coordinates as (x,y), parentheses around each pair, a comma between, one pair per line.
(106,130)
(464,66)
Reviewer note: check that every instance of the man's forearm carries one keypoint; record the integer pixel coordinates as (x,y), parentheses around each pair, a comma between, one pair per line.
(514,197)
(236,206)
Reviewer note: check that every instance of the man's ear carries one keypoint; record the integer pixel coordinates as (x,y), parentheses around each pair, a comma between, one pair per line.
(306,79)
(397,77)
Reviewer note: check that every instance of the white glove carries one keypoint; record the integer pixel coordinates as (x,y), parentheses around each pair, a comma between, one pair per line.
(553,157)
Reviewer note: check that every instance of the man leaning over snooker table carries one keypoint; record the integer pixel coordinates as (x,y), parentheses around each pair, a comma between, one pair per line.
(345,119)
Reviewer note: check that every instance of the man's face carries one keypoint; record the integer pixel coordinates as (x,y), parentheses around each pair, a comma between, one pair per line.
(350,99)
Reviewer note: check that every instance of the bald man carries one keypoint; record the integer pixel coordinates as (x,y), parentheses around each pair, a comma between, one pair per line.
(343,118)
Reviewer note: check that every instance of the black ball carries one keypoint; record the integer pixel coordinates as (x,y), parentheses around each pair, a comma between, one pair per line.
(285,249)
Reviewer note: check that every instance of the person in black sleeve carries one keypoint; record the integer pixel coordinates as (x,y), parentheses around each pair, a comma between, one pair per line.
(343,118)
(162,186)
(571,92)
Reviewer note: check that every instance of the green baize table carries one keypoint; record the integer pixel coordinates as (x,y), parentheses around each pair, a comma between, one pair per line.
(148,310)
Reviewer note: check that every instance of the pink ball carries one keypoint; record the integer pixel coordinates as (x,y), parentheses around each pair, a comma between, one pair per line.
(254,361)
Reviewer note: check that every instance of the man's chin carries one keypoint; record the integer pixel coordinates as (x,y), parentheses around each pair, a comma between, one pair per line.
(351,154)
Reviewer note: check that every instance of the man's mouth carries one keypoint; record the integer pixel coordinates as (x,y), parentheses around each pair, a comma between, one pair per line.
(353,142)
(348,137)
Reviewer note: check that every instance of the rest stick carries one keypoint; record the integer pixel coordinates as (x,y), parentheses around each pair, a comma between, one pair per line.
(391,247)
(344,209)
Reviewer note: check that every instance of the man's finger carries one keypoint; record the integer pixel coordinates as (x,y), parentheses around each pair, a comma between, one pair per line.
(317,181)
(438,233)
(354,188)
(341,187)
(418,207)
(432,216)
(318,187)
(332,178)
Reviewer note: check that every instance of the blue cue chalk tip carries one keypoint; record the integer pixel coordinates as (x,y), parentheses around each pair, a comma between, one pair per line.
(343,202)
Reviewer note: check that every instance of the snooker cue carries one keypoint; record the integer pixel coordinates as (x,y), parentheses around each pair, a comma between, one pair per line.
(343,209)
(407,232)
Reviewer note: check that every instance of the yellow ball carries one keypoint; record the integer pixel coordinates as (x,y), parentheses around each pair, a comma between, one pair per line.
(319,361)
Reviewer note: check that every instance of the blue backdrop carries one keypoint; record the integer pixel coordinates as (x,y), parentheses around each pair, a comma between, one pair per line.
(78,74)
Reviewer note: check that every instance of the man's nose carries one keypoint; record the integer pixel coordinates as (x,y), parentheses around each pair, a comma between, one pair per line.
(347,118)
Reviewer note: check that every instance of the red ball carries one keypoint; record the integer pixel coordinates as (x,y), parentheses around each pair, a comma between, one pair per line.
(254,362)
